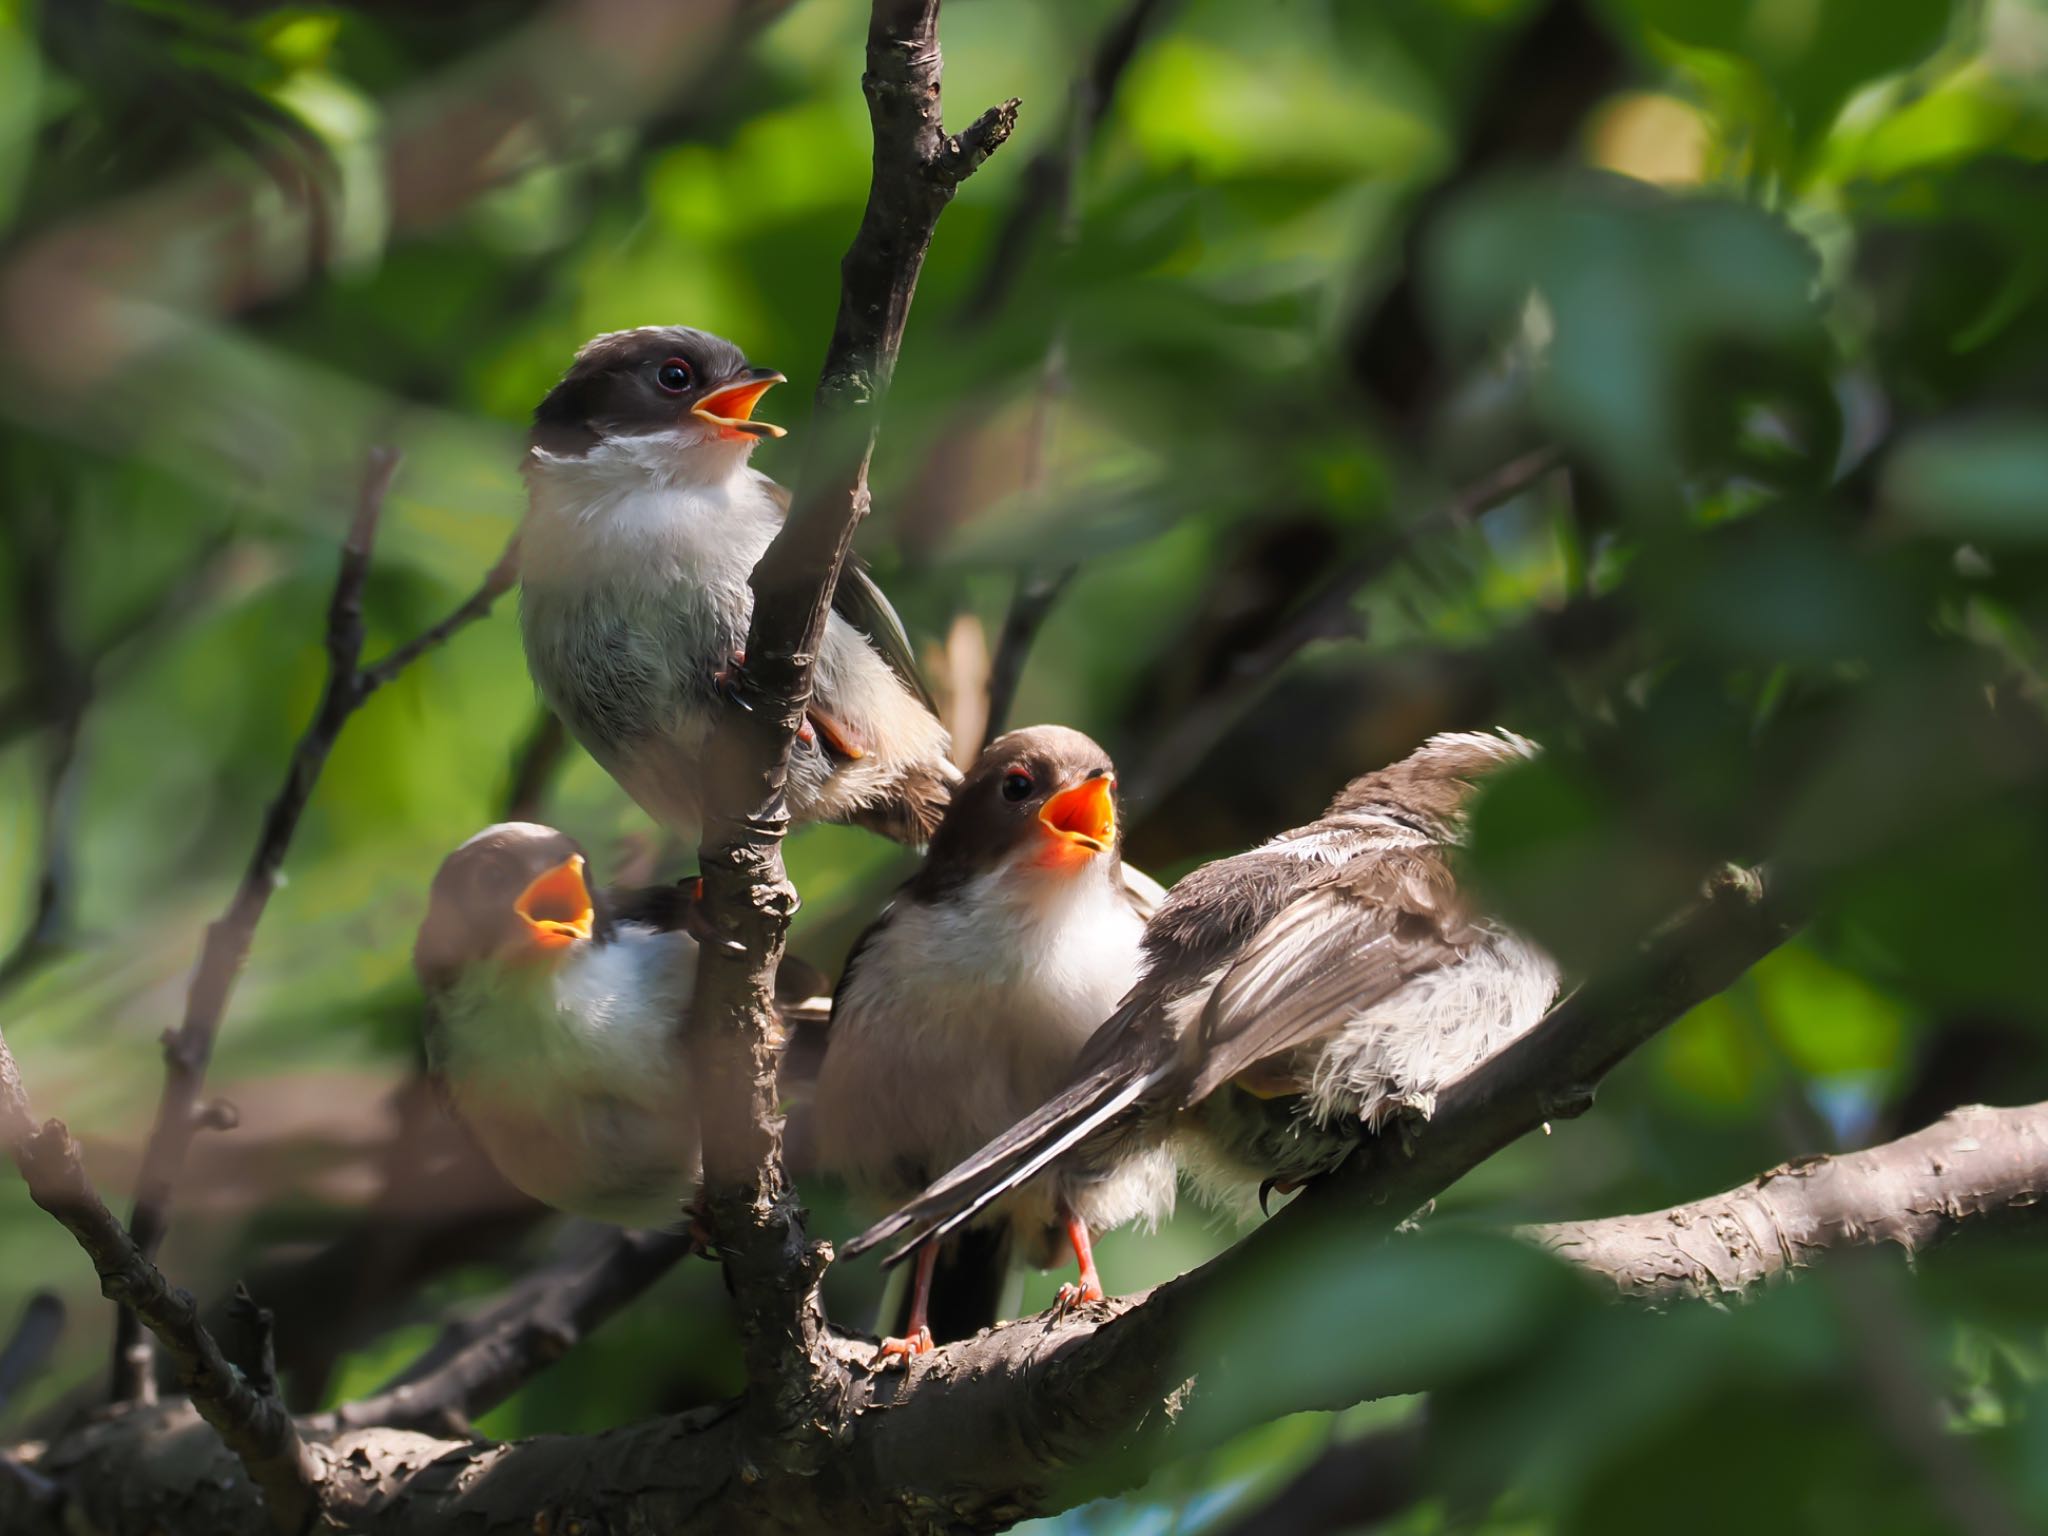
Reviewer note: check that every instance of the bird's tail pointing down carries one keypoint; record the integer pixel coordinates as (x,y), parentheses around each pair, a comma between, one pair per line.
(1013,1158)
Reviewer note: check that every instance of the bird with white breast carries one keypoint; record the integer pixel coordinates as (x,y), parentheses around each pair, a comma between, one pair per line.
(1296,1000)
(964,1005)
(644,521)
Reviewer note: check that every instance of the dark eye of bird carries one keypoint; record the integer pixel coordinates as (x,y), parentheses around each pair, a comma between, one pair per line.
(1016,784)
(673,375)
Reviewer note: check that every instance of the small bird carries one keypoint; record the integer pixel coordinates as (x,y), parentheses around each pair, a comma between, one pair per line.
(1295,999)
(643,524)
(964,1005)
(553,1024)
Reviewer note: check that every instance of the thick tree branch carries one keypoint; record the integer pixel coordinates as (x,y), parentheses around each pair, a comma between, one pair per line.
(994,1428)
(189,1049)
(772,1265)
(1043,1412)
(1972,1164)
(252,1421)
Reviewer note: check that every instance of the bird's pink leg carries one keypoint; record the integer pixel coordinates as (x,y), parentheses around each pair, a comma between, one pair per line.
(1089,1287)
(918,1336)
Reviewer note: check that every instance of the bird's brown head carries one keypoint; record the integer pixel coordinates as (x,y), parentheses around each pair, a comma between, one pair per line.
(1430,787)
(684,388)
(1041,799)
(515,894)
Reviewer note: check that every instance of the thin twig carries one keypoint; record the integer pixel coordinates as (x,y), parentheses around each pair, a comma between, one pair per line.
(533,768)
(541,1319)
(1045,188)
(1353,1484)
(771,1264)
(1328,613)
(1050,185)
(58,694)
(125,643)
(28,1350)
(254,1423)
(189,1049)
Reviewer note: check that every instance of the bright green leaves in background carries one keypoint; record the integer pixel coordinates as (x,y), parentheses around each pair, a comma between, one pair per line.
(1782,305)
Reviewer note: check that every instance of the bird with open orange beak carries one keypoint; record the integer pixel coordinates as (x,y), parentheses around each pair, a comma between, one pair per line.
(644,521)
(964,1005)
(553,1022)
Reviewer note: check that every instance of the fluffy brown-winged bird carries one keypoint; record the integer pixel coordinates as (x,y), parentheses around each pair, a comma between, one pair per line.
(643,523)
(1294,999)
(965,1004)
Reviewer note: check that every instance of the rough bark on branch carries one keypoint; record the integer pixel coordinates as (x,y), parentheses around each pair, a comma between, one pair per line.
(250,1419)
(1025,1419)
(772,1265)
(1023,1403)
(1972,1164)
(188,1050)
(544,1318)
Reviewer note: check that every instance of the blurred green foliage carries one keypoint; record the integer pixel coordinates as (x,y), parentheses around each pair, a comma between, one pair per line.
(1776,292)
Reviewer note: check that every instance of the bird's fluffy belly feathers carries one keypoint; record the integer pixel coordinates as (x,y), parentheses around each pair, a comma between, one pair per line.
(634,595)
(962,1017)
(571,1078)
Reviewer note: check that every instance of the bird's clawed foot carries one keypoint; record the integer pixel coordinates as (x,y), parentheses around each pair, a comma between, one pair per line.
(730,683)
(1072,1296)
(894,1352)
(1276,1186)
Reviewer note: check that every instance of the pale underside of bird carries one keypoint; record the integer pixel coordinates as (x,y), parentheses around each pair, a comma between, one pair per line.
(1295,999)
(554,1025)
(965,1004)
(644,523)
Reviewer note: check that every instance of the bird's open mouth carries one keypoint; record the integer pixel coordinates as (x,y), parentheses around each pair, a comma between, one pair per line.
(556,905)
(1084,816)
(730,407)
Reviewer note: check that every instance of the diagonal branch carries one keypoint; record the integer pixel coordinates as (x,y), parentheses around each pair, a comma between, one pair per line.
(1049,186)
(251,1420)
(1973,1163)
(188,1050)
(771,1264)
(542,1318)
(1020,1420)
(27,1350)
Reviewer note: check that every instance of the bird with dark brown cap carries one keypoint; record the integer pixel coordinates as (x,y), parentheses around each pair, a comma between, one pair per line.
(644,521)
(1295,1000)
(964,1005)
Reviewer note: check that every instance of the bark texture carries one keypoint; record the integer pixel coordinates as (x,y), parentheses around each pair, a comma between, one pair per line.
(1974,1166)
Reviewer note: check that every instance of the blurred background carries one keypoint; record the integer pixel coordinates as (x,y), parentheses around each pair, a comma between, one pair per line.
(1661,378)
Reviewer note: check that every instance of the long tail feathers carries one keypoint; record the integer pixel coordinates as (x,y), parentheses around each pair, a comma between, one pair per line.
(1019,1154)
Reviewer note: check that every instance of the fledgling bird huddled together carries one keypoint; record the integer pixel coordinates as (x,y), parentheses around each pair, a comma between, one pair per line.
(1032,1043)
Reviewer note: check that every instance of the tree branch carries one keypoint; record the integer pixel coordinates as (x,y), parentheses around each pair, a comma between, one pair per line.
(1048,186)
(540,1320)
(1353,1484)
(1326,614)
(771,1264)
(1040,1413)
(253,1422)
(189,1049)
(34,1337)
(1973,1163)
(1045,188)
